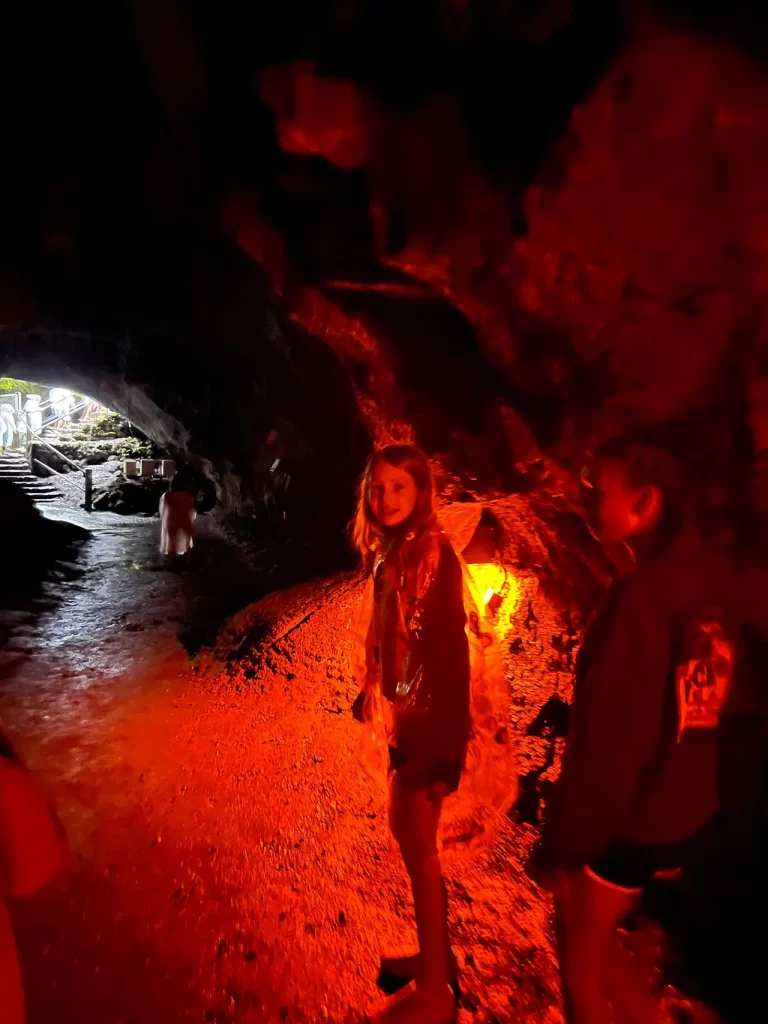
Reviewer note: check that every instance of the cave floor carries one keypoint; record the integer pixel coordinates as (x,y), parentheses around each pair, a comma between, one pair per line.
(230,860)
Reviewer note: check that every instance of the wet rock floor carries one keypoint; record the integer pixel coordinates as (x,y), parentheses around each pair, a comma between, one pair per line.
(231,862)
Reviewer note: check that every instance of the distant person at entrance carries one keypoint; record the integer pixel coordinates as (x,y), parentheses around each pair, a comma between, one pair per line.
(418,671)
(177,514)
(33,414)
(21,428)
(62,403)
(638,791)
(33,848)
(7,427)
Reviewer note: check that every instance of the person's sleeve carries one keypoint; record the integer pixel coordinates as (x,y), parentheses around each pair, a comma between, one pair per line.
(446,661)
(617,720)
(364,651)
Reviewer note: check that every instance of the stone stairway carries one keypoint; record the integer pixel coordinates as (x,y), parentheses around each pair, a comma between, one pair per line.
(15,469)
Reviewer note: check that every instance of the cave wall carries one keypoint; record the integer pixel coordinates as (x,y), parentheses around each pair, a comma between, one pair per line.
(230,388)
(644,252)
(264,237)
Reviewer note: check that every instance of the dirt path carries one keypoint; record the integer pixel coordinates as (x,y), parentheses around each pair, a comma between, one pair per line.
(231,862)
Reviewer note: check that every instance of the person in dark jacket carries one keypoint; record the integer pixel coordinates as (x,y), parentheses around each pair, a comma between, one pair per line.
(639,780)
(418,655)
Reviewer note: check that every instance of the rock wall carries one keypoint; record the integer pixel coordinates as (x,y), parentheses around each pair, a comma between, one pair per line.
(641,271)
(224,405)
(522,234)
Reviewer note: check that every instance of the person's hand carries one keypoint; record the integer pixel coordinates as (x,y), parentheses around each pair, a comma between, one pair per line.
(438,791)
(541,868)
(547,868)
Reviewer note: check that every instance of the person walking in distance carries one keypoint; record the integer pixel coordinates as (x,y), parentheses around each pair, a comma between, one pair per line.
(7,427)
(33,415)
(177,515)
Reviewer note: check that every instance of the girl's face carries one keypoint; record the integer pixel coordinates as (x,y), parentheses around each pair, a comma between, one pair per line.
(393,494)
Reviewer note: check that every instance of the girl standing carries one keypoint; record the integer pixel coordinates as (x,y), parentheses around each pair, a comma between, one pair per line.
(418,666)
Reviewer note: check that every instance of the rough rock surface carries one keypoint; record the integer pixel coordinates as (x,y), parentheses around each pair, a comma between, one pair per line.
(327,249)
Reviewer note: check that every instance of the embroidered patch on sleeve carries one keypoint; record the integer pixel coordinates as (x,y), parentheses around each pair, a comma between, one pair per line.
(704,673)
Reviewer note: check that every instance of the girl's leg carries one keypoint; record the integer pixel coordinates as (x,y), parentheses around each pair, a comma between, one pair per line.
(414,817)
(398,969)
(173,547)
(587,913)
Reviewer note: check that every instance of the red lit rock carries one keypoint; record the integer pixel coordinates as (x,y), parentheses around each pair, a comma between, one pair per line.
(650,246)
(315,115)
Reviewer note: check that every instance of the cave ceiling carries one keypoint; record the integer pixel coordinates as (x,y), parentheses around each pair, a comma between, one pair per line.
(500,218)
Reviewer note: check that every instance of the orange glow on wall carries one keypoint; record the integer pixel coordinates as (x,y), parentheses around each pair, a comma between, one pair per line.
(496,587)
(488,578)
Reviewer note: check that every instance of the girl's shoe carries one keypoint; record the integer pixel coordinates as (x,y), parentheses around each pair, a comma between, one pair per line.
(414,1005)
(398,971)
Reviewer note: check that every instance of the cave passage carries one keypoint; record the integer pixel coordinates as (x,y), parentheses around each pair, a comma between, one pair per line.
(272,239)
(230,858)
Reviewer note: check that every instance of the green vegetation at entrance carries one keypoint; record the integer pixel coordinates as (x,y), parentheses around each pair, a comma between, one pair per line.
(25,387)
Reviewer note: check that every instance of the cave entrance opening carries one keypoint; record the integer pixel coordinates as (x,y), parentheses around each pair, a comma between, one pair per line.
(51,432)
(41,409)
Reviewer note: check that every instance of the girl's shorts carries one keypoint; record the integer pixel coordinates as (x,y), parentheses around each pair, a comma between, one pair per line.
(423,773)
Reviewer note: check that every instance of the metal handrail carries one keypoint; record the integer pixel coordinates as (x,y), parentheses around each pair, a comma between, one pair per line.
(31,432)
(54,419)
(49,405)
(47,468)
(61,455)
(87,473)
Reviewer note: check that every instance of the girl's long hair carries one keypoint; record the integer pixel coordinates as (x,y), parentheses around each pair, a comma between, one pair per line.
(367,533)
